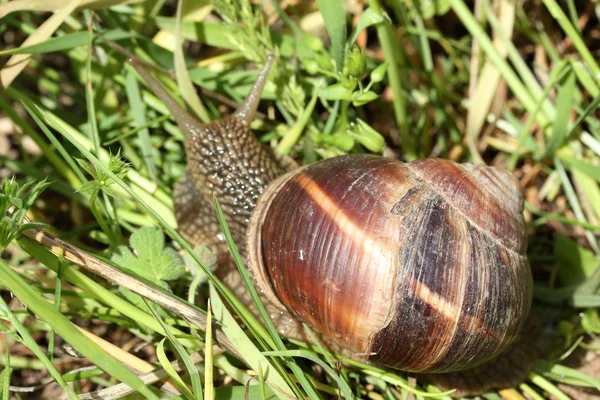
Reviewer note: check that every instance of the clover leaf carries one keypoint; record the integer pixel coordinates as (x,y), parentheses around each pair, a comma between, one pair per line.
(149,260)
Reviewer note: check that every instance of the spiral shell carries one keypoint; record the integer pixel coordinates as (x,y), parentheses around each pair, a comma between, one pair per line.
(421,266)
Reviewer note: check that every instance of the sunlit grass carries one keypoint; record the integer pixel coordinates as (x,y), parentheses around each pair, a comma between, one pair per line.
(80,117)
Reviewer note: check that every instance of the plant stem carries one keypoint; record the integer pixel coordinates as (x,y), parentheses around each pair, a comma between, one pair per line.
(384,32)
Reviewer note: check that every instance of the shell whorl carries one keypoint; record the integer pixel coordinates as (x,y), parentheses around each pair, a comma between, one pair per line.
(418,264)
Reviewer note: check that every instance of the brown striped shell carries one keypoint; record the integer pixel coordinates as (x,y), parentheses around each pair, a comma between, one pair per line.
(421,265)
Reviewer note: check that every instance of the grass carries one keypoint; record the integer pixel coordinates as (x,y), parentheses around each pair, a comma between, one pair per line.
(80,117)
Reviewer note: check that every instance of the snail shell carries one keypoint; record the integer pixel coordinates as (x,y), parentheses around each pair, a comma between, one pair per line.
(421,265)
(418,266)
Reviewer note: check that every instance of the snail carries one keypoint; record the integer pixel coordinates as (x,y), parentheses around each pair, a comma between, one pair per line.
(417,266)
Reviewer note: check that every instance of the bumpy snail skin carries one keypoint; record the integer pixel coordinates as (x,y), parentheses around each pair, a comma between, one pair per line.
(224,159)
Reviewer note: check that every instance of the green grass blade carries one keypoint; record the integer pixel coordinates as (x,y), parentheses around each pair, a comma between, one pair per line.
(68,332)
(511,78)
(335,22)
(67,42)
(5,376)
(166,364)
(89,91)
(31,343)
(100,293)
(187,90)
(209,389)
(278,343)
(344,388)
(572,33)
(18,62)
(185,357)
(564,104)
(247,349)
(138,111)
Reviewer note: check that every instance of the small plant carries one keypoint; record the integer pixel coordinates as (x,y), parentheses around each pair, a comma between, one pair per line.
(150,260)
(15,202)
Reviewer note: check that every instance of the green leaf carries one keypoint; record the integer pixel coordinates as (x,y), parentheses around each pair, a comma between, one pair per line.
(186,89)
(364,98)
(138,113)
(68,42)
(378,74)
(564,374)
(368,136)
(342,141)
(336,92)
(581,164)
(5,379)
(564,104)
(367,18)
(152,261)
(431,8)
(335,22)
(576,263)
(591,321)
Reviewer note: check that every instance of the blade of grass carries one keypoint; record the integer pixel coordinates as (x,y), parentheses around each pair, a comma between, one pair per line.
(489,79)
(150,124)
(5,379)
(344,388)
(546,385)
(185,357)
(53,5)
(138,111)
(277,342)
(32,345)
(209,388)
(564,104)
(590,191)
(187,90)
(583,74)
(566,374)
(555,76)
(519,63)
(89,91)
(67,42)
(253,356)
(166,364)
(511,78)
(384,32)
(68,332)
(18,62)
(335,22)
(574,203)
(572,33)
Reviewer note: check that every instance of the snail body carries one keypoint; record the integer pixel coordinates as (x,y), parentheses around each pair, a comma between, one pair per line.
(418,266)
